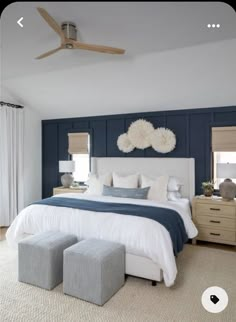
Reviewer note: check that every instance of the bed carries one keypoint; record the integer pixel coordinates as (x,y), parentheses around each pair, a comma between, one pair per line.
(149,251)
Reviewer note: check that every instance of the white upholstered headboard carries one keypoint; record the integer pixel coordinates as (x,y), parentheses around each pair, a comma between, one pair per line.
(183,168)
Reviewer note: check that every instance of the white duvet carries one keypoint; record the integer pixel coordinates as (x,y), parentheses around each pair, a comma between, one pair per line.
(141,236)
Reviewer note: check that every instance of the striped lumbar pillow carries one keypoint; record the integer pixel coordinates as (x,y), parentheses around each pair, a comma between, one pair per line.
(136,193)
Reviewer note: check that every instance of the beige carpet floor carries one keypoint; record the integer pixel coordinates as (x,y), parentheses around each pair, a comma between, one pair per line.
(199,268)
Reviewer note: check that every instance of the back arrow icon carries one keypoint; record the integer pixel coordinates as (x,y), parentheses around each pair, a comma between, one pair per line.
(19,22)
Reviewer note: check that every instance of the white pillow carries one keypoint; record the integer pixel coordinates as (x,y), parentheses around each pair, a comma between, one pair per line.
(173,195)
(130,181)
(95,183)
(158,187)
(174,184)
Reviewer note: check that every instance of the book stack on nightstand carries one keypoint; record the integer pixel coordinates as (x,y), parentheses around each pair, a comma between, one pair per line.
(80,189)
(215,219)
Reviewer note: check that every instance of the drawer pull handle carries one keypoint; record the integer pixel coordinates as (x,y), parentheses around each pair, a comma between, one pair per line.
(217,209)
(215,221)
(214,234)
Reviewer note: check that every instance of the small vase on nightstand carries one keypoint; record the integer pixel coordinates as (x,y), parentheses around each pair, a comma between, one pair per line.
(208,193)
(208,188)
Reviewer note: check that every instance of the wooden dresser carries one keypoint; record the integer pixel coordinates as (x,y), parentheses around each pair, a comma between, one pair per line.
(215,219)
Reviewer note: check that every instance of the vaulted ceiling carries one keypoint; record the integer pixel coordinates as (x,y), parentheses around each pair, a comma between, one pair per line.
(92,80)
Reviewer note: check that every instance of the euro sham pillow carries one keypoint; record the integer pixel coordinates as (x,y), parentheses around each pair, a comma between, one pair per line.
(158,187)
(95,183)
(130,181)
(135,193)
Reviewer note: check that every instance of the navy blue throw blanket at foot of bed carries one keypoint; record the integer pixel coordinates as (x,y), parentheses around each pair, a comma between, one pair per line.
(169,218)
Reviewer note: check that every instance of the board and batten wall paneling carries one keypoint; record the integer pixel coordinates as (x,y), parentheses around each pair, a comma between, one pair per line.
(81,125)
(192,129)
(114,129)
(225,117)
(199,145)
(63,129)
(99,147)
(49,158)
(179,125)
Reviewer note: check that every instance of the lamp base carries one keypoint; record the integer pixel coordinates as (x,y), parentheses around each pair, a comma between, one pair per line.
(67,180)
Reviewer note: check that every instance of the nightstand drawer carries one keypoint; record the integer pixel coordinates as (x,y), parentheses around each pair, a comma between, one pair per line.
(216,209)
(216,222)
(214,234)
(59,190)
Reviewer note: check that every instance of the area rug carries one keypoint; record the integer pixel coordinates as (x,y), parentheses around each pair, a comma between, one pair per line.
(137,301)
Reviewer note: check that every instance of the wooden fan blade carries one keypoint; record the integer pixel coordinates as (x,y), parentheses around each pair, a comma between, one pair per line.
(53,51)
(98,48)
(52,23)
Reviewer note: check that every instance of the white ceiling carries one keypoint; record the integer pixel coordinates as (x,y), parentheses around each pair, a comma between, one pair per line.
(142,28)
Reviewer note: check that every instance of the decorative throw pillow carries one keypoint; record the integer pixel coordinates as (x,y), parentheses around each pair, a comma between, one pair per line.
(136,193)
(174,184)
(173,195)
(95,183)
(158,187)
(130,181)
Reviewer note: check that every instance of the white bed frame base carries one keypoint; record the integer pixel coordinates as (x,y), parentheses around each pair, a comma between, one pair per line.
(142,267)
(183,168)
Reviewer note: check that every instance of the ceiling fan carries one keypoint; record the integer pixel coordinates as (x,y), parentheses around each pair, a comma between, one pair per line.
(67,33)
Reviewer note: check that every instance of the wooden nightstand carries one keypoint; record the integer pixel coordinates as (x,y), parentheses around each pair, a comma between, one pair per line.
(59,190)
(215,219)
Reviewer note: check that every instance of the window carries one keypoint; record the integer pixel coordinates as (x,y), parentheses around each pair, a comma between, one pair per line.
(79,148)
(81,167)
(222,158)
(224,154)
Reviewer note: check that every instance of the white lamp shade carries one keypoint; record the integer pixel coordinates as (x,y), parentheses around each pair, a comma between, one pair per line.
(66,166)
(226,170)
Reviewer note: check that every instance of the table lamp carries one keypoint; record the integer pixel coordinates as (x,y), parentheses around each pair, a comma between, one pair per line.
(227,187)
(67,167)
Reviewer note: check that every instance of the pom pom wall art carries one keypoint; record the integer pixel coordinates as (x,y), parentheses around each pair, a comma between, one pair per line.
(141,135)
(163,140)
(124,143)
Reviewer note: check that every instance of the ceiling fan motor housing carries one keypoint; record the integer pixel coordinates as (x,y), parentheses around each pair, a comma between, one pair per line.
(69,30)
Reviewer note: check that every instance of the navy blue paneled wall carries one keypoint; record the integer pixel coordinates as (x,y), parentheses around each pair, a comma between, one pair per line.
(192,129)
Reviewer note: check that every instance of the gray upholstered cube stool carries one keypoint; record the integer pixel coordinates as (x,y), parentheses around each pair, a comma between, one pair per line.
(40,258)
(94,270)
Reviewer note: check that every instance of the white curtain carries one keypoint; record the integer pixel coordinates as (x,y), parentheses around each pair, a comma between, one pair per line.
(11,163)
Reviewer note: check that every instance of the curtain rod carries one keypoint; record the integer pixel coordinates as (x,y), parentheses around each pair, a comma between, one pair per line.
(11,105)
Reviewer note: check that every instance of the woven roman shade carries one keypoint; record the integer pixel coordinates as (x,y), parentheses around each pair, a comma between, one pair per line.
(78,143)
(224,139)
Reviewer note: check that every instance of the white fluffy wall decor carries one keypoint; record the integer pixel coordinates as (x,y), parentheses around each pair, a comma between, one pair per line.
(139,133)
(163,140)
(124,143)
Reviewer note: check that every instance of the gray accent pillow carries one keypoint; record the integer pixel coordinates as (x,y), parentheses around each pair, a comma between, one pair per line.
(136,193)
